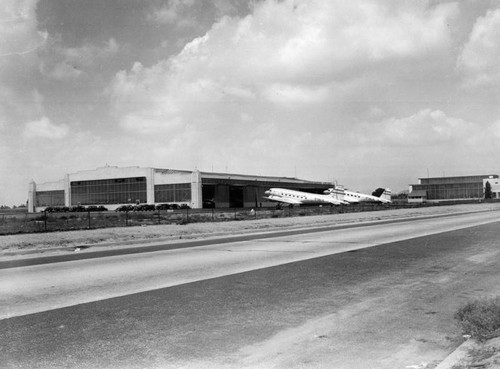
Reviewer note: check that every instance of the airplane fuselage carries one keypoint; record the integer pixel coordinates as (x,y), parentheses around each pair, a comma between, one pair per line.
(294,197)
(357,197)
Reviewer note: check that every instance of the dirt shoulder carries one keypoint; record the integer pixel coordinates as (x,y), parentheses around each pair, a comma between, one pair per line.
(174,232)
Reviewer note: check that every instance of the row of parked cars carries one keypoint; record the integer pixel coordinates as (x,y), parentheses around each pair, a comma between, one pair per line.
(148,207)
(78,208)
(140,207)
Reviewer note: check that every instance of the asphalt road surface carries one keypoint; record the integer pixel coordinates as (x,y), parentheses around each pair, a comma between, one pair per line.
(325,300)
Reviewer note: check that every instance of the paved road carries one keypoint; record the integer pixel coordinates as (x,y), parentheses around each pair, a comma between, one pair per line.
(38,288)
(383,306)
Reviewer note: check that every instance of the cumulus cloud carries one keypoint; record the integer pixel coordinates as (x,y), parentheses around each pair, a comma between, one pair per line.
(426,128)
(479,59)
(45,129)
(286,53)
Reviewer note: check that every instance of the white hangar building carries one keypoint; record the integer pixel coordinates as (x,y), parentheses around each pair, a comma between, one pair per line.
(114,186)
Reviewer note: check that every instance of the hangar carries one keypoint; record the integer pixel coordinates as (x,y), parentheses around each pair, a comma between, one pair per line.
(113,186)
(440,189)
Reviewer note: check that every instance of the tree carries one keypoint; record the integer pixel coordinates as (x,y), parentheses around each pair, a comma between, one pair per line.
(487,190)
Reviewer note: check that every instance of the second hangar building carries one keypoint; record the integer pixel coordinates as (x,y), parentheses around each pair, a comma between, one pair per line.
(114,186)
(442,189)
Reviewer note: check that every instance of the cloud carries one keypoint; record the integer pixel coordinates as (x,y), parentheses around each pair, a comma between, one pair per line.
(45,129)
(286,53)
(495,129)
(293,95)
(18,30)
(20,44)
(20,40)
(170,13)
(479,59)
(225,7)
(425,128)
(69,63)
(290,85)
(400,149)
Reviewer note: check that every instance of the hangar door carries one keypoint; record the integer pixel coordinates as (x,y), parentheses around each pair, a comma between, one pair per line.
(208,195)
(236,196)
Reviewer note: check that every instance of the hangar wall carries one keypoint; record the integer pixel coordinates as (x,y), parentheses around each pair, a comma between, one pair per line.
(114,186)
(438,189)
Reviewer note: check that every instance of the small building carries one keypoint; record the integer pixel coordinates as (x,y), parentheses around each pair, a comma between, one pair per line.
(114,186)
(494,186)
(417,196)
(440,189)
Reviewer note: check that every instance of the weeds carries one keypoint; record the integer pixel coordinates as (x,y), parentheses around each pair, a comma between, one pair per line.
(480,318)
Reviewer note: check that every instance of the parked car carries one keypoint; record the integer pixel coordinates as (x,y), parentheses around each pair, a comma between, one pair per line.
(144,207)
(125,208)
(96,208)
(184,206)
(163,207)
(208,204)
(56,209)
(77,208)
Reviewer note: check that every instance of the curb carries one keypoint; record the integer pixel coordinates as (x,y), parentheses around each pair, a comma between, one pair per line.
(458,356)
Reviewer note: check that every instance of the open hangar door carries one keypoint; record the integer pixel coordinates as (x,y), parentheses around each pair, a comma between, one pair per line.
(222,196)
(208,196)
(236,197)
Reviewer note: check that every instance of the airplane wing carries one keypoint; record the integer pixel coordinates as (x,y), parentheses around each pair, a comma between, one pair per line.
(337,202)
(323,200)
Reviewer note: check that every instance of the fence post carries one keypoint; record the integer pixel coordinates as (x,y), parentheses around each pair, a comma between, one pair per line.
(159,217)
(45,219)
(187,215)
(126,218)
(89,217)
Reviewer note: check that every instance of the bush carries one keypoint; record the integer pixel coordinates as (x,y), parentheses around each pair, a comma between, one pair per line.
(480,318)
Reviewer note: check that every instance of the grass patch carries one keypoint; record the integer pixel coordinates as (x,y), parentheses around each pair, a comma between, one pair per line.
(480,318)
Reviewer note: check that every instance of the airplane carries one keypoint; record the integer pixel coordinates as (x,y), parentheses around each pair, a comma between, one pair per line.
(293,197)
(382,195)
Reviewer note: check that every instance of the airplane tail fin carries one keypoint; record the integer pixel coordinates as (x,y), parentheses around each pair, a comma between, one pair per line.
(383,193)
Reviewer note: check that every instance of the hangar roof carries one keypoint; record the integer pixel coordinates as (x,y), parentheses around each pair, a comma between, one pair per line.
(248,177)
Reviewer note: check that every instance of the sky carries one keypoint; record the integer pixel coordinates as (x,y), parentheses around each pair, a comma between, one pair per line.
(364,93)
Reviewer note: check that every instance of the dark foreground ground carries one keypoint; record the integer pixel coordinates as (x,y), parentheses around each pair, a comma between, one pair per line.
(389,306)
